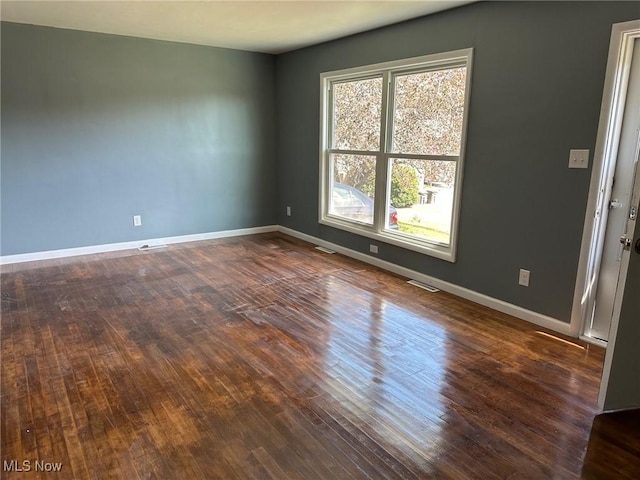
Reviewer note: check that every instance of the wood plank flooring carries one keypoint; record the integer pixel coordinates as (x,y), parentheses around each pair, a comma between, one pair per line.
(262,358)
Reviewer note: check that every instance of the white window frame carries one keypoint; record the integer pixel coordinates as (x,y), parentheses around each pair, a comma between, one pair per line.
(387,70)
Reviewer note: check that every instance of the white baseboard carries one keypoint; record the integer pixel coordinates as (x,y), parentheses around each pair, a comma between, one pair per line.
(113,247)
(494,303)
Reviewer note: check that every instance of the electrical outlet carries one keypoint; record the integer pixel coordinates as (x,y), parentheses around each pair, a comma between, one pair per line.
(288,211)
(137,220)
(373,248)
(523,279)
(578,158)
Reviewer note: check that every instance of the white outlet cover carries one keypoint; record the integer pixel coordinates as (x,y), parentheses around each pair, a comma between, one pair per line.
(579,159)
(137,220)
(373,248)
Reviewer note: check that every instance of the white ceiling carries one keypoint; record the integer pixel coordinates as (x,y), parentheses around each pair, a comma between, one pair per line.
(260,26)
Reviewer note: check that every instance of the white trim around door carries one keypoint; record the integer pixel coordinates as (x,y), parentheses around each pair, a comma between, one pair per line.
(623,38)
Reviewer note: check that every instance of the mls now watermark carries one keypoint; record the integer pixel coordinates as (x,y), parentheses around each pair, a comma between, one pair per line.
(30,466)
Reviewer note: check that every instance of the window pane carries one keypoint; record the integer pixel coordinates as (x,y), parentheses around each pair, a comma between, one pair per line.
(421,197)
(428,114)
(356,114)
(353,187)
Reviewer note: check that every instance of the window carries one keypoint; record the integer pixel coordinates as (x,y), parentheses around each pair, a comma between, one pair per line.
(392,143)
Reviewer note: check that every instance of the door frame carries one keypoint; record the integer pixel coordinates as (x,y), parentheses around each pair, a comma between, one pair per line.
(623,36)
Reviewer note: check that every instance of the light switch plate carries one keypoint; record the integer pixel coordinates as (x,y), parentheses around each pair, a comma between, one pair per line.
(578,158)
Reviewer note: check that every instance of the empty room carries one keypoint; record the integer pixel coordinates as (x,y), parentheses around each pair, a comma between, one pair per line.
(320,240)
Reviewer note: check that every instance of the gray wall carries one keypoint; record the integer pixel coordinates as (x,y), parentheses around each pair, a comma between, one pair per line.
(537,85)
(97,128)
(623,390)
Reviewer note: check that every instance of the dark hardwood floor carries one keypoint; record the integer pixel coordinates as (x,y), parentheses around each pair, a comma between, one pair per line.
(262,358)
(614,447)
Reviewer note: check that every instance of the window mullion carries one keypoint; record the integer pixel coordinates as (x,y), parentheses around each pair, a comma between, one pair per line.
(381,160)
(390,105)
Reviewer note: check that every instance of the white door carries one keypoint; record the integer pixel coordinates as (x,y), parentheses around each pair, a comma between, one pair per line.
(621,209)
